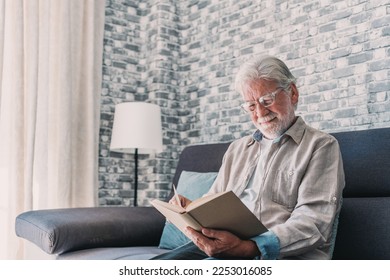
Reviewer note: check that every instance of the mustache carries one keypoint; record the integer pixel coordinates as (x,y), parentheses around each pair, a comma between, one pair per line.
(266,118)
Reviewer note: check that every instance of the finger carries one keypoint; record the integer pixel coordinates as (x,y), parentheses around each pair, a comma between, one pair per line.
(203,242)
(191,232)
(196,236)
(173,201)
(209,233)
(182,201)
(215,234)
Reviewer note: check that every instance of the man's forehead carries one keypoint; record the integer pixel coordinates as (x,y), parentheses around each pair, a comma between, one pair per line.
(259,87)
(260,84)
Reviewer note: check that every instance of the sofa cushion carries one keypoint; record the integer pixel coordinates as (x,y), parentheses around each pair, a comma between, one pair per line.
(191,185)
(114,253)
(195,184)
(57,231)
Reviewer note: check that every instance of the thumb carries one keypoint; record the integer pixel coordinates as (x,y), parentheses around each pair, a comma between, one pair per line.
(210,233)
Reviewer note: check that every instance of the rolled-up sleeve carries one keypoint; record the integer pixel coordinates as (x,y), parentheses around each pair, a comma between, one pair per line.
(268,245)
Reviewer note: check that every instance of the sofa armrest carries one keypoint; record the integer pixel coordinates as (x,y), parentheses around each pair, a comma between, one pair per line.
(57,231)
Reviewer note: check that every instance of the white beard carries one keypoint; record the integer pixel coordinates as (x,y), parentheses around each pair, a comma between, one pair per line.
(278,125)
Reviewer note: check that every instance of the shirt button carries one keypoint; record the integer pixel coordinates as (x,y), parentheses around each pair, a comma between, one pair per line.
(290,173)
(334,199)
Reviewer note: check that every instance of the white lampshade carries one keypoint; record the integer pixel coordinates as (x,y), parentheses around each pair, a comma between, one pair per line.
(137,125)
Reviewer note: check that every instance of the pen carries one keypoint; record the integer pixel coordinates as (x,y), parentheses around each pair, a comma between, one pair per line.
(176,196)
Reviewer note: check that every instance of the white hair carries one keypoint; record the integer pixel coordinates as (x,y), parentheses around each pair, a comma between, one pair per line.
(266,68)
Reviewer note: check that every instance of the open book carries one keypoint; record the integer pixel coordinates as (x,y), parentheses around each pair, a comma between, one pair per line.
(223,211)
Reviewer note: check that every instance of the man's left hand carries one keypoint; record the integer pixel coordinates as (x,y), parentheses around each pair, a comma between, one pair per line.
(219,243)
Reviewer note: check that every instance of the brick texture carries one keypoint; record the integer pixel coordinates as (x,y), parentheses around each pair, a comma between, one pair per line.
(183,55)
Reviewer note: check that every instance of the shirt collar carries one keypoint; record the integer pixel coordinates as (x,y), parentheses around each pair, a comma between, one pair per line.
(295,132)
(257,136)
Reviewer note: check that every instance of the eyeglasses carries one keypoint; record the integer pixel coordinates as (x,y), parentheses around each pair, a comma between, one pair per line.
(266,100)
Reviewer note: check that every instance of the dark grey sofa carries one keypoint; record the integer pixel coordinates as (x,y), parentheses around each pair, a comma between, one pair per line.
(134,233)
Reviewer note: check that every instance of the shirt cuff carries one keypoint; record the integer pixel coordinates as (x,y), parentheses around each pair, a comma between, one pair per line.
(268,244)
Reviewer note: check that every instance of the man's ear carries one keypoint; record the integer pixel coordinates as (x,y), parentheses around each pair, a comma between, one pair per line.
(294,94)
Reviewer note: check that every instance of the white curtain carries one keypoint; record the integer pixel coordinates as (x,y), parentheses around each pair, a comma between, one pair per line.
(50,86)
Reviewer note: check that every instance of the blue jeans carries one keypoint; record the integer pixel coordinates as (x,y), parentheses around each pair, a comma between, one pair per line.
(188,251)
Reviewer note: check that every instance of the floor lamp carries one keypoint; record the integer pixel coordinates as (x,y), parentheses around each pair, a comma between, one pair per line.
(136,129)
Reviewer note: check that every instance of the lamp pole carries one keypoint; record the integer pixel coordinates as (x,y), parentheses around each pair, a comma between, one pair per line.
(135,176)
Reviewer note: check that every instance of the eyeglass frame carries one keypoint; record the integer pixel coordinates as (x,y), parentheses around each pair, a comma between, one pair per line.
(260,100)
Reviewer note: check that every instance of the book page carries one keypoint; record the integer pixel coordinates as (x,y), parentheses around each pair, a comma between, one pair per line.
(202,200)
(180,220)
(172,207)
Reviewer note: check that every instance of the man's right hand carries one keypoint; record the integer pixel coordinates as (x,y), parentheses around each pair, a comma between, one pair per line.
(183,201)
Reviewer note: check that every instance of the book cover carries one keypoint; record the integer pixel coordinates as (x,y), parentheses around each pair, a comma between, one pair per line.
(222,211)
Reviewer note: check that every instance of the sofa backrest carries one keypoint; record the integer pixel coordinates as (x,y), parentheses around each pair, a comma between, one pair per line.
(364,222)
(364,225)
(200,158)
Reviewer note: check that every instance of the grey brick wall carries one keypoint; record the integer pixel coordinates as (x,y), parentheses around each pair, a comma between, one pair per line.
(182,55)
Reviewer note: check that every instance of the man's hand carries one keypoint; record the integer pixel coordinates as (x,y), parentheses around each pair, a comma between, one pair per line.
(183,201)
(219,243)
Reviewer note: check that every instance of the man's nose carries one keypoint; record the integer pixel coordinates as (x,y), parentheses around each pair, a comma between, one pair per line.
(261,110)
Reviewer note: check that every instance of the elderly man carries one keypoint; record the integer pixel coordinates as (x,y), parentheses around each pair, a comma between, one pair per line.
(289,175)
